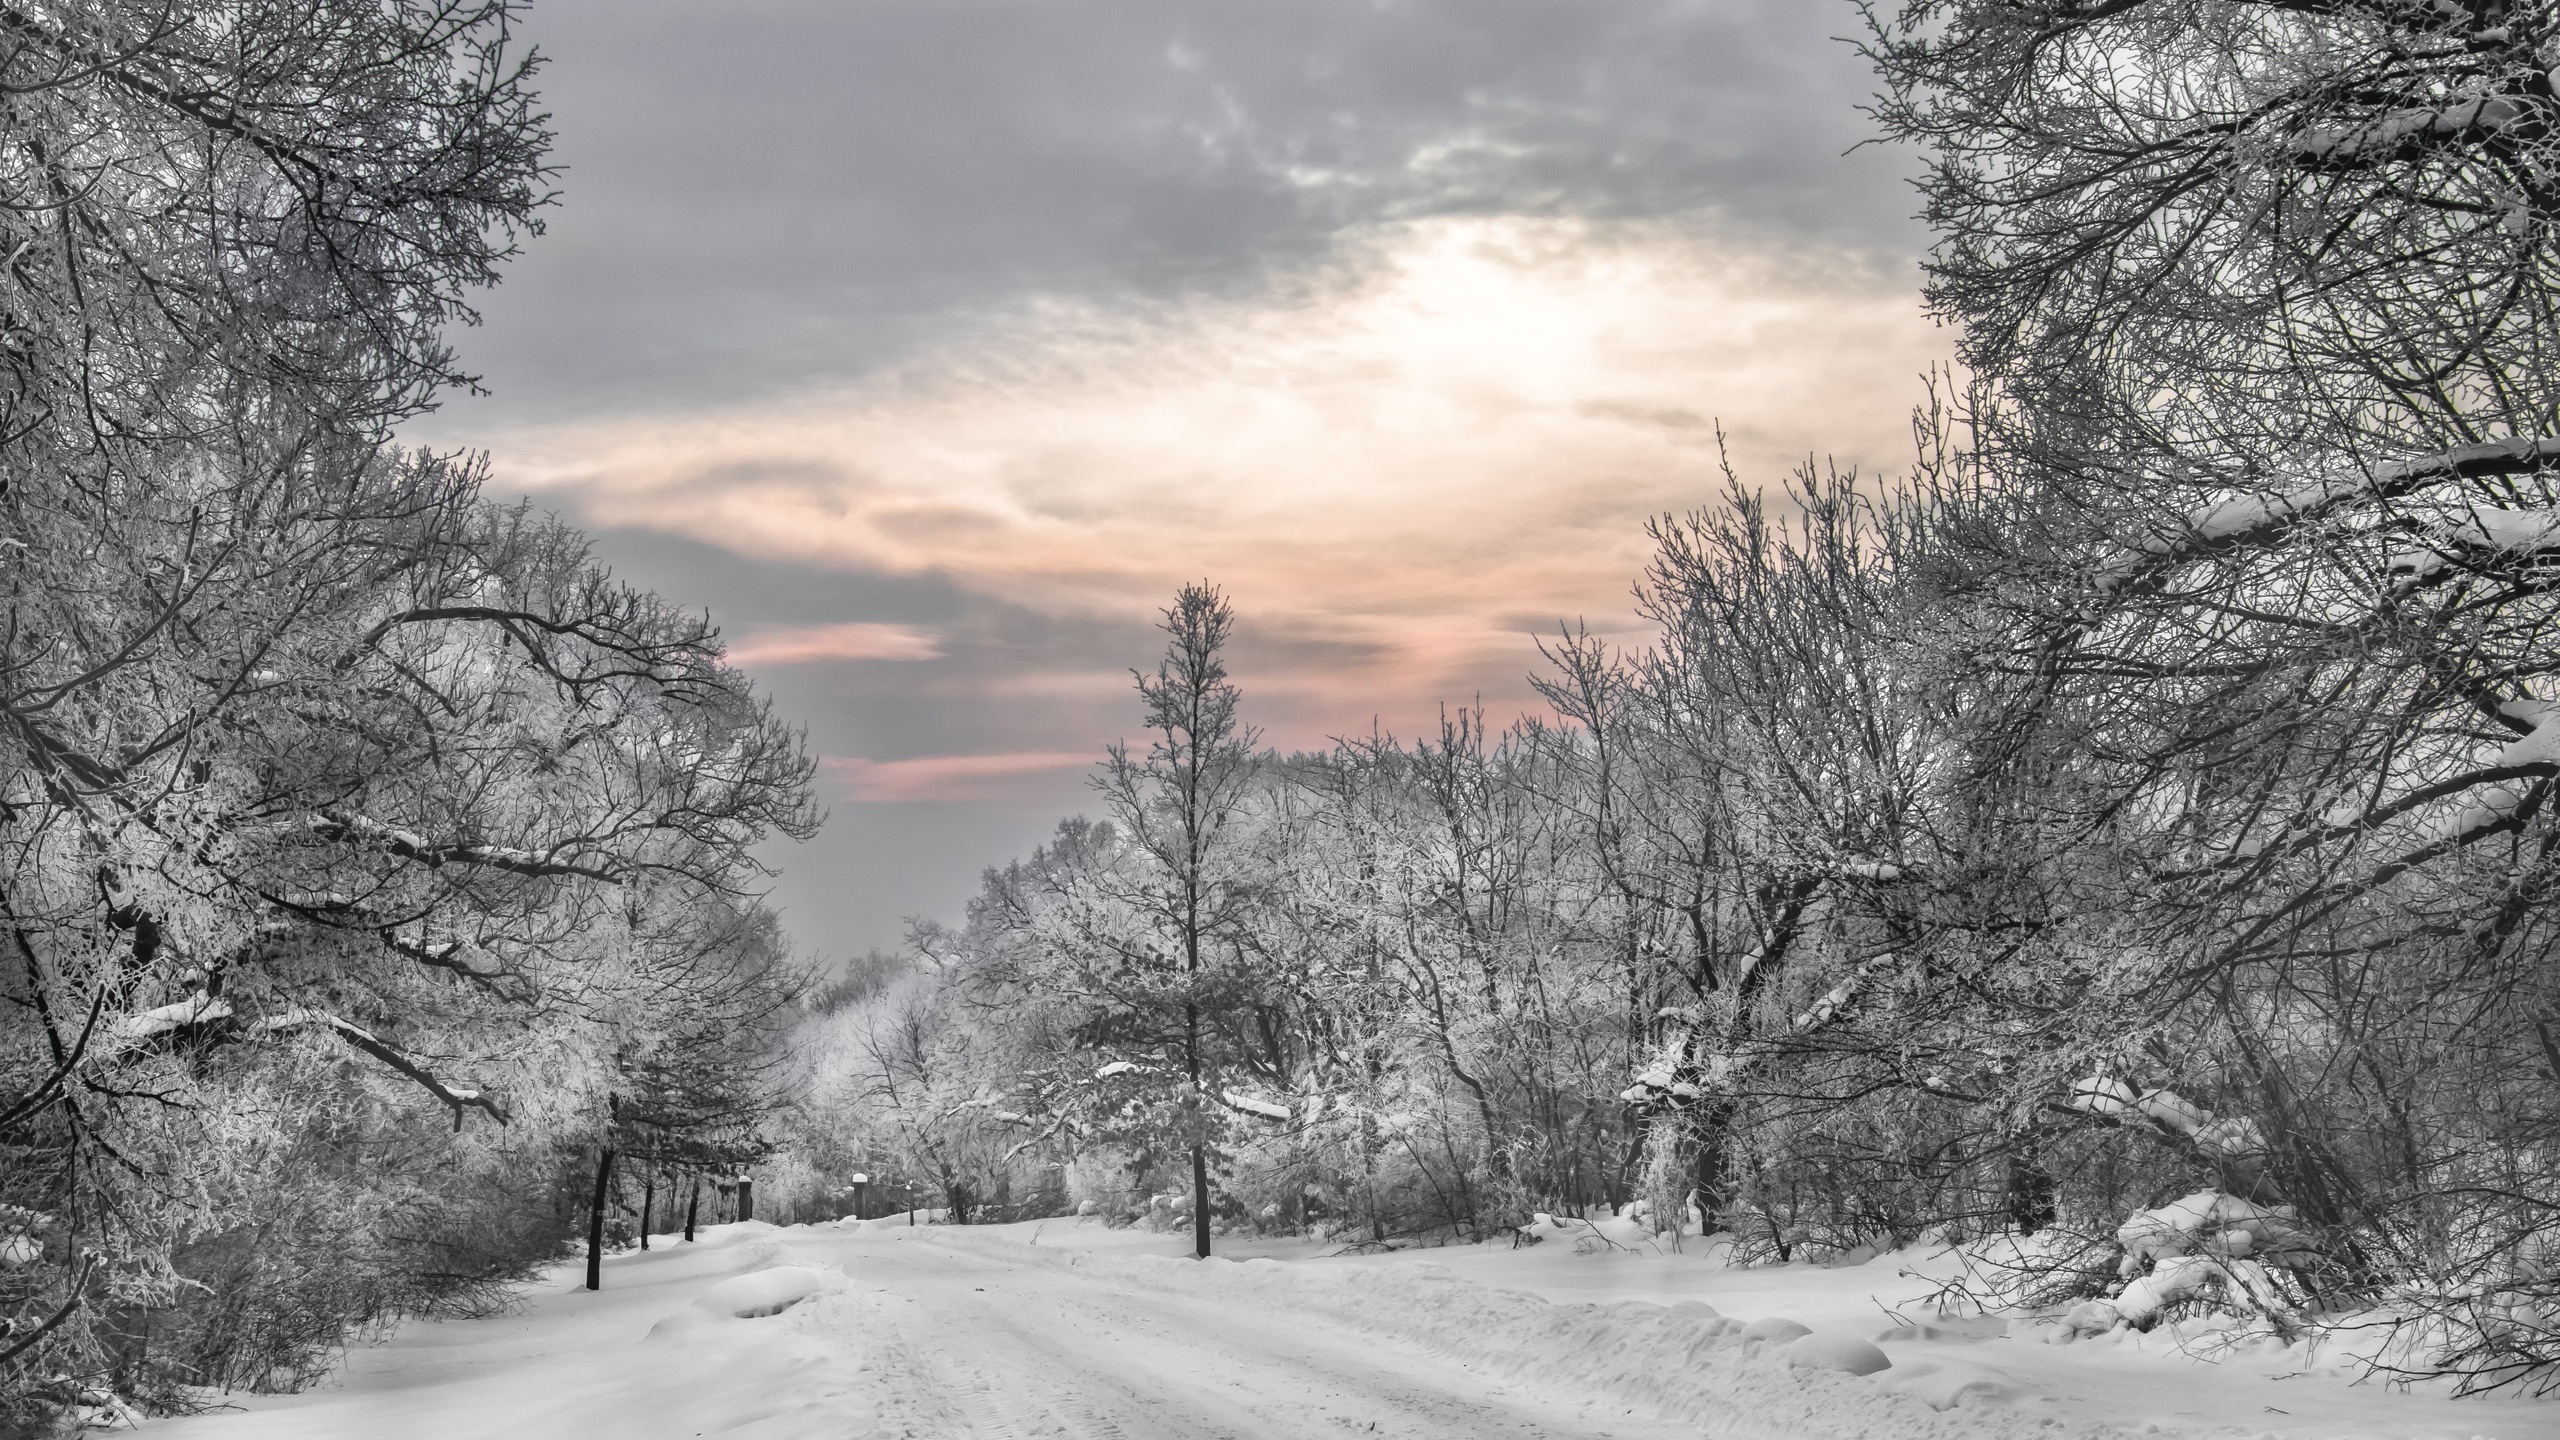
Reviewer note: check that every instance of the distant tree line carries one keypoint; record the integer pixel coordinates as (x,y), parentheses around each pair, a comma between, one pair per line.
(2147,796)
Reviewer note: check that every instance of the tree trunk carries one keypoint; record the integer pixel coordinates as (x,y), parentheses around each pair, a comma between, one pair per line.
(2031,1189)
(595,1222)
(1369,1170)
(1199,1151)
(648,1205)
(692,1204)
(1713,1124)
(1200,1201)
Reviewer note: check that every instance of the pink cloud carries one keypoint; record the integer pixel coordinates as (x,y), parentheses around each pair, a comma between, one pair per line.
(1453,431)
(854,640)
(944,777)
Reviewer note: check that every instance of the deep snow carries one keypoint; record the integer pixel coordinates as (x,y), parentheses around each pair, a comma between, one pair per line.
(1066,1328)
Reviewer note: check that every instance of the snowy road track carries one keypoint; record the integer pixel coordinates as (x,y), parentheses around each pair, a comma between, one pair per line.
(1028,1351)
(921,1335)
(1069,1331)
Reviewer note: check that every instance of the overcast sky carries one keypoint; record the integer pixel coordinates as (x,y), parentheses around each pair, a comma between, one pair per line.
(931,344)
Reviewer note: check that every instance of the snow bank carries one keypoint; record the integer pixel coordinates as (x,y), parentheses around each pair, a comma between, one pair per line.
(764,1292)
(1845,1353)
(1946,1384)
(751,1296)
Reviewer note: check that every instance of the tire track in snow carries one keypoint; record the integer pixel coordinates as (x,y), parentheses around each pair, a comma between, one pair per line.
(1041,1352)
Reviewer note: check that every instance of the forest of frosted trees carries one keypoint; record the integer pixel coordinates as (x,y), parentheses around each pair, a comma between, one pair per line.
(2120,838)
(2128,828)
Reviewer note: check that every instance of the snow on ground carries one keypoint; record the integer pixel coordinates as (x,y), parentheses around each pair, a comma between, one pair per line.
(1066,1328)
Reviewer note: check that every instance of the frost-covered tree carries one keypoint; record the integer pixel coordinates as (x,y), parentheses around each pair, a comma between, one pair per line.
(1138,929)
(1179,803)
(338,803)
(2265,293)
(699,1070)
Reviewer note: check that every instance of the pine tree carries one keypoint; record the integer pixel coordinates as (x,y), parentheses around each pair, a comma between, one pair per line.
(1178,804)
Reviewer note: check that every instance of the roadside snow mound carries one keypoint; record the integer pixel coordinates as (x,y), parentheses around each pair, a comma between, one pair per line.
(1945,1384)
(762,1292)
(751,1296)
(1845,1353)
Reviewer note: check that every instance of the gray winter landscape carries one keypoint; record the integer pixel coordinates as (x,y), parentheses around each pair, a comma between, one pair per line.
(1147,719)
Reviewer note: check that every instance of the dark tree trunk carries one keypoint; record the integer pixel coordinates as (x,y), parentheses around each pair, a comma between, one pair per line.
(1199,1152)
(648,1206)
(1709,1165)
(2032,1189)
(692,1203)
(595,1222)
(1200,1201)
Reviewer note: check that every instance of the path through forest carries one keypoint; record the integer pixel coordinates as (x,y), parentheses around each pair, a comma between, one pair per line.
(927,1332)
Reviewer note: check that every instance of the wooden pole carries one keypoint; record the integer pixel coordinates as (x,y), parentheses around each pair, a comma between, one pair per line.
(595,1222)
(692,1203)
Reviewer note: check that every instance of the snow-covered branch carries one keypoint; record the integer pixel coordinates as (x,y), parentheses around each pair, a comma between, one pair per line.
(1239,1101)
(214,1018)
(2413,131)
(2241,521)
(410,845)
(1679,1076)
(457,1096)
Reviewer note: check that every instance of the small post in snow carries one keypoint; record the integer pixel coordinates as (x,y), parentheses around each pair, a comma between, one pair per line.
(861,1182)
(692,1203)
(746,1197)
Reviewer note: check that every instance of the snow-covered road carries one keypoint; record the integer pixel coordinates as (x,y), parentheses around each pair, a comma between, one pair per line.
(916,1333)
(1067,1330)
(965,1343)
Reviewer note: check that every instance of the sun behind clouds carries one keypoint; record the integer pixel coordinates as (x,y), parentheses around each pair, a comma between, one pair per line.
(1451,433)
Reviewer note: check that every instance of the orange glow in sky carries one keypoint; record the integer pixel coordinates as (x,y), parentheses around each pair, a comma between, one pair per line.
(1398,467)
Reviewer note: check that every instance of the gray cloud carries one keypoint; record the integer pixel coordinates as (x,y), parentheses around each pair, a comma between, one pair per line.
(781,193)
(766,197)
